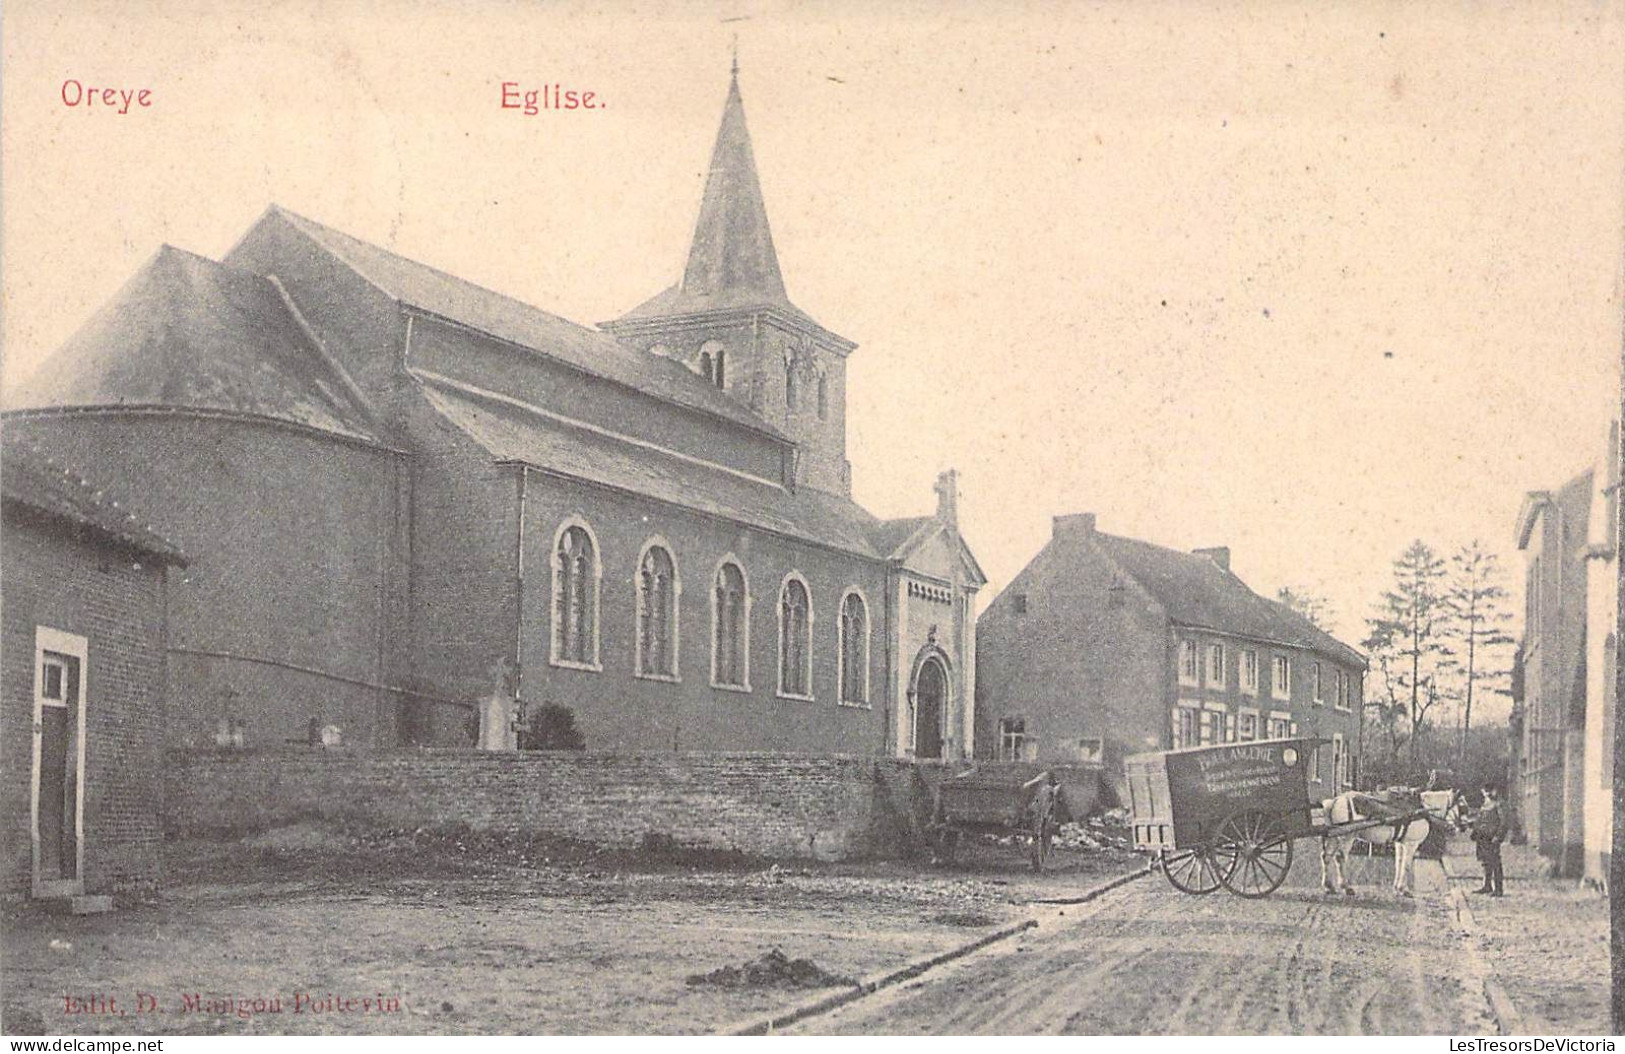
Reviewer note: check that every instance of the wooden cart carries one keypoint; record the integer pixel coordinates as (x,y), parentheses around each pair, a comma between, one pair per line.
(990,800)
(1224,815)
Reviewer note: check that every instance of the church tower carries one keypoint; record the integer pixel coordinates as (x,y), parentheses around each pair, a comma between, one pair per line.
(730,320)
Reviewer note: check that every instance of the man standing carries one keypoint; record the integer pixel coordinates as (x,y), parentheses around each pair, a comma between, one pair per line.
(1489,831)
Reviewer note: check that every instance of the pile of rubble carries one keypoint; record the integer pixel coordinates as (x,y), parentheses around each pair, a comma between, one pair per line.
(1108,830)
(772,970)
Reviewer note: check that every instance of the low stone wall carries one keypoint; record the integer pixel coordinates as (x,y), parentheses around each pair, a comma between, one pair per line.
(772,805)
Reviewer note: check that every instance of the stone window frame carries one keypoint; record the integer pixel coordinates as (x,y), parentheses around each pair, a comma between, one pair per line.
(1177,716)
(1247,675)
(807,649)
(1340,762)
(555,636)
(674,629)
(1223,725)
(1283,717)
(1215,651)
(744,625)
(1319,694)
(1278,664)
(841,642)
(1257,719)
(1189,662)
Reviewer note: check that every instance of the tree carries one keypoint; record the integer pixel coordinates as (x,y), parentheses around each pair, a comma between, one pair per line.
(1406,639)
(1310,605)
(1477,627)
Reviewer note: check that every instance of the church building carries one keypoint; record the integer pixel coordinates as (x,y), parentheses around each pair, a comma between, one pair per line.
(408,501)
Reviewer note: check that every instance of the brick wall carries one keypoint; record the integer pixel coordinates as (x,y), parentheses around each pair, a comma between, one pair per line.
(115,601)
(772,805)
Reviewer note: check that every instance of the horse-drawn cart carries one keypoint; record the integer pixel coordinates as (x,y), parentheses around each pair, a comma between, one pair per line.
(1227,815)
(989,800)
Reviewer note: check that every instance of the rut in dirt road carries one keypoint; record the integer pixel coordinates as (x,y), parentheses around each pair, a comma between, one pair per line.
(1145,959)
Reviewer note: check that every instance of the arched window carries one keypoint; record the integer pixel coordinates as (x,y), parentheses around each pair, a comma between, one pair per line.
(823,397)
(854,654)
(657,612)
(795,638)
(575,597)
(722,368)
(730,627)
(790,384)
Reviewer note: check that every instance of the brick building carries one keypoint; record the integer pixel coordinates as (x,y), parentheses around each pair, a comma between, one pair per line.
(411,500)
(1563,705)
(1105,646)
(82,665)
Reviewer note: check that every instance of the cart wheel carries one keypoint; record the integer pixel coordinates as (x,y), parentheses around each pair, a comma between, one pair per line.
(1191,871)
(1253,853)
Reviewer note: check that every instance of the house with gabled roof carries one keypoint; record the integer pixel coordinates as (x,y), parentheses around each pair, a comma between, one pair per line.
(1105,646)
(409,497)
(81,682)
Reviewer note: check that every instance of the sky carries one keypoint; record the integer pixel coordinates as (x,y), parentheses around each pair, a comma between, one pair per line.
(1307,280)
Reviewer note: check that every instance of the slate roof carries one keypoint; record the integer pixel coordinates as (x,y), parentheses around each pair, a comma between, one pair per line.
(434,291)
(889,536)
(513,434)
(1196,592)
(189,332)
(732,263)
(29,477)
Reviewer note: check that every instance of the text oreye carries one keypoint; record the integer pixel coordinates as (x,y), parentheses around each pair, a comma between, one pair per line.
(118,100)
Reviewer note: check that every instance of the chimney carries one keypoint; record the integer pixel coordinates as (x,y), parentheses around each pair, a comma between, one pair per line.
(1219,554)
(1077,522)
(948,498)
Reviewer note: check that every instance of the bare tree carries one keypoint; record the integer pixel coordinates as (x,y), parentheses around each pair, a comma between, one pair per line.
(1311,605)
(1406,637)
(1477,627)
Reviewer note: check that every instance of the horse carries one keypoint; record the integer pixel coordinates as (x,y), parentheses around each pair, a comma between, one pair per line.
(1385,824)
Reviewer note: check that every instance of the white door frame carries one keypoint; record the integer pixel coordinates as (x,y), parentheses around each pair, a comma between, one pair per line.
(71,644)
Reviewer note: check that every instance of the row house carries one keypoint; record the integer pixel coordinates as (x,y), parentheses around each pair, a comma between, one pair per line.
(1564,691)
(1105,646)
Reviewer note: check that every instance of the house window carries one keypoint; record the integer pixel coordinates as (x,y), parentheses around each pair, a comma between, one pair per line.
(1314,765)
(1012,737)
(1280,725)
(657,613)
(854,654)
(1320,689)
(730,621)
(1185,726)
(1215,665)
(1246,726)
(1339,762)
(721,368)
(1282,687)
(1187,662)
(705,367)
(823,397)
(1020,603)
(790,383)
(795,639)
(1249,672)
(575,597)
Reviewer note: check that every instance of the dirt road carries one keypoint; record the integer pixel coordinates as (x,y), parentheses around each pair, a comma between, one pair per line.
(1147,959)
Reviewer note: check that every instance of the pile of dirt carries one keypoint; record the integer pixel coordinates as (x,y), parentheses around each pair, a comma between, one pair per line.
(773,970)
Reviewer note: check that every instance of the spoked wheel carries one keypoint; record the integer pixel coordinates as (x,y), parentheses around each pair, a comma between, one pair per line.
(1252,853)
(1191,871)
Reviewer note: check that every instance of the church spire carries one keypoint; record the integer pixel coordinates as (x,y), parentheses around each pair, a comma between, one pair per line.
(732,250)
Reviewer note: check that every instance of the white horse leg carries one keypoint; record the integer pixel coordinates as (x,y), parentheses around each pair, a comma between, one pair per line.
(1328,856)
(1404,855)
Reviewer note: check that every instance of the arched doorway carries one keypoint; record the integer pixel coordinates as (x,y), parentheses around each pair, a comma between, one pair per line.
(930,708)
